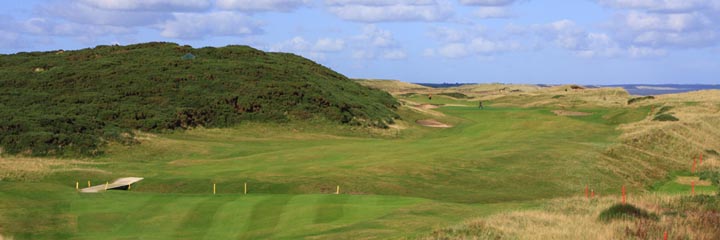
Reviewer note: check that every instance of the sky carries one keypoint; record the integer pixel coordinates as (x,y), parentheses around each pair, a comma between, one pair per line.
(428,41)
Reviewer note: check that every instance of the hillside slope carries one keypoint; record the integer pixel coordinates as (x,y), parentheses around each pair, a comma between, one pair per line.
(75,101)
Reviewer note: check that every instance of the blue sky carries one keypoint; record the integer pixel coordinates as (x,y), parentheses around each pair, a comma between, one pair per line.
(507,41)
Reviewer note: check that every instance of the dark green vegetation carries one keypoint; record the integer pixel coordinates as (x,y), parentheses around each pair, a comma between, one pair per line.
(72,103)
(625,212)
(712,176)
(665,118)
(637,99)
(455,95)
(664,109)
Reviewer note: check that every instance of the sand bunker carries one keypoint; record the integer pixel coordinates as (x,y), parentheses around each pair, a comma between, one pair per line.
(433,123)
(570,113)
(427,106)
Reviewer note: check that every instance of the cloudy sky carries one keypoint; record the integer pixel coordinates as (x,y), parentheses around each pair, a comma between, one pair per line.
(508,41)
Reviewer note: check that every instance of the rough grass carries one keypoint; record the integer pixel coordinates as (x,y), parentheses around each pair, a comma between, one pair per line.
(577,218)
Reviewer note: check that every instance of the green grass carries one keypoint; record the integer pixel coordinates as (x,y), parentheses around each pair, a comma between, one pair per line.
(56,212)
(671,186)
(401,186)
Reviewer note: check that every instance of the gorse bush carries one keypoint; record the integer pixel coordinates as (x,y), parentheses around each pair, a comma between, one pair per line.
(665,118)
(75,101)
(626,212)
(637,99)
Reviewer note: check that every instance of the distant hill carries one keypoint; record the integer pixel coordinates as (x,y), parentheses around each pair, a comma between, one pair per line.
(73,102)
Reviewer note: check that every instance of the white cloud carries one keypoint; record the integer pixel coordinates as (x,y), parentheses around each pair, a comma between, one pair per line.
(296,44)
(487,2)
(48,27)
(149,5)
(262,5)
(475,40)
(492,12)
(446,34)
(329,45)
(84,14)
(663,5)
(377,37)
(394,54)
(477,46)
(636,52)
(454,50)
(665,24)
(201,25)
(429,52)
(389,10)
(641,21)
(568,35)
(374,43)
(316,51)
(300,45)
(10,40)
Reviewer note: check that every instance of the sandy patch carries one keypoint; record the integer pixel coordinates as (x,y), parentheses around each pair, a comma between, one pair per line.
(690,180)
(27,168)
(433,123)
(427,106)
(570,113)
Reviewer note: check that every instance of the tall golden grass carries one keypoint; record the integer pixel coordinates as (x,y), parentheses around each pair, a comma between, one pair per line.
(577,218)
(27,168)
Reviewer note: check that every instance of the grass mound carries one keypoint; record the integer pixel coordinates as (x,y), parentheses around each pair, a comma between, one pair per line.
(625,212)
(455,95)
(473,230)
(664,109)
(637,99)
(666,118)
(54,103)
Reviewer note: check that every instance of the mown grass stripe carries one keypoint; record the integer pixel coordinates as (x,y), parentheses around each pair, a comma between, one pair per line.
(198,220)
(265,217)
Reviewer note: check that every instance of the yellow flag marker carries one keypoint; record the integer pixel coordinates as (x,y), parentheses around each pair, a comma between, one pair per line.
(129,186)
(338,190)
(89,183)
(213,189)
(245,192)
(77,185)
(106,185)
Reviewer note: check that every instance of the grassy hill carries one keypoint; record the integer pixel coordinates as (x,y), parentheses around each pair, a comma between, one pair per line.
(515,169)
(73,102)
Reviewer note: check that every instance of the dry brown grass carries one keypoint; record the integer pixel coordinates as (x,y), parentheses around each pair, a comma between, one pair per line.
(577,218)
(25,168)
(649,149)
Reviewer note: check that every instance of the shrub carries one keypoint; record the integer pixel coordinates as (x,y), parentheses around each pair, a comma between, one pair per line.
(558,96)
(90,97)
(637,99)
(664,109)
(625,212)
(666,118)
(455,95)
